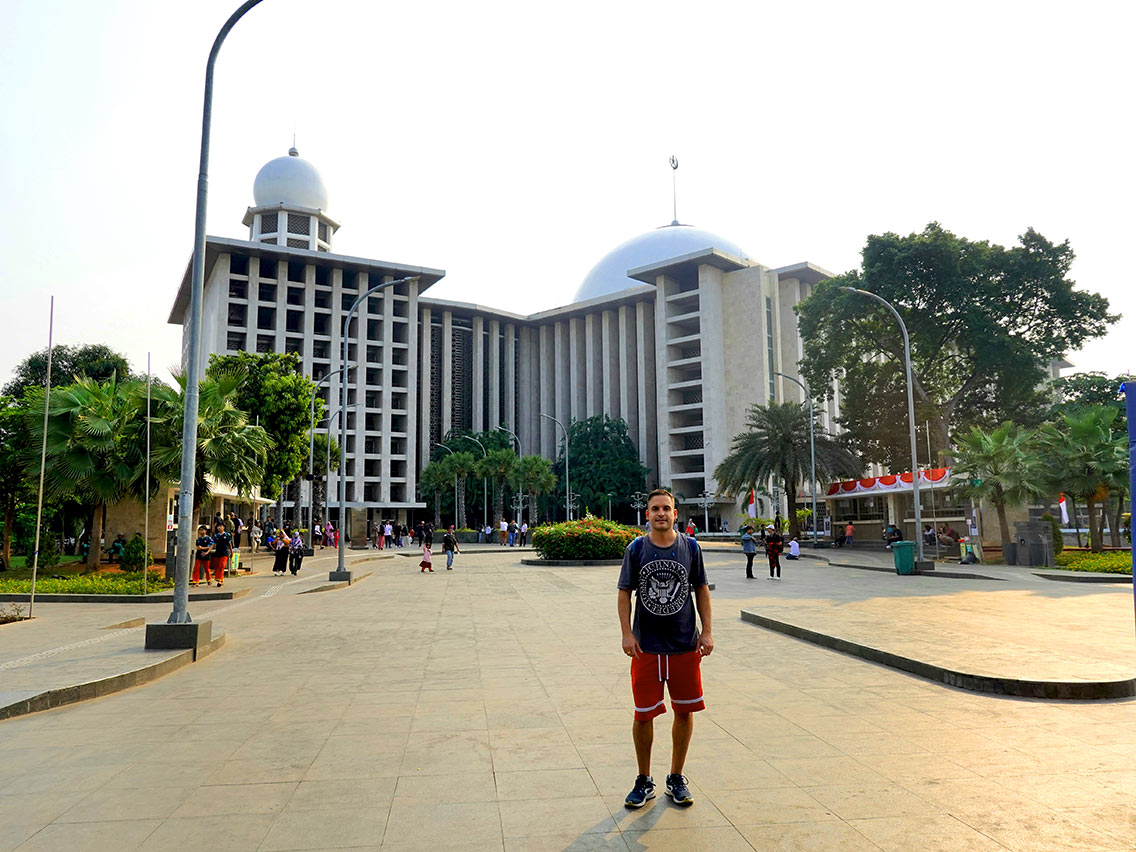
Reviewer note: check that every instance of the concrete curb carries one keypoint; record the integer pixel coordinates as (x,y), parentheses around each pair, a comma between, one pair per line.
(993,685)
(1085,577)
(327,587)
(51,698)
(157,597)
(578,562)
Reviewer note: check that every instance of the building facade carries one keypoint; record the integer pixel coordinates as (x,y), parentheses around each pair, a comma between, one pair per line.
(676,331)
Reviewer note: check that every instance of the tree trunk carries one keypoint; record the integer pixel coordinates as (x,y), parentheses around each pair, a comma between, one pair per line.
(1095,544)
(459,510)
(95,553)
(1117,519)
(499,499)
(437,508)
(1003,524)
(1073,518)
(9,521)
(791,503)
(940,441)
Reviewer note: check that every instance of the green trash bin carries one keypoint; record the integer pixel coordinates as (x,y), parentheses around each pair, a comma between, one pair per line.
(903,552)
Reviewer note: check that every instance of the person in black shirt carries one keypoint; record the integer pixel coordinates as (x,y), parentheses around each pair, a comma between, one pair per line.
(203,548)
(222,548)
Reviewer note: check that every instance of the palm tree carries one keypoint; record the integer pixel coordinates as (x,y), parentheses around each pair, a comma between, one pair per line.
(1000,467)
(435,477)
(1085,459)
(90,451)
(497,465)
(533,475)
(321,456)
(229,450)
(463,466)
(776,447)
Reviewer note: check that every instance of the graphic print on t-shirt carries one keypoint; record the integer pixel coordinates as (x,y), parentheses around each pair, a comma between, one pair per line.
(664,586)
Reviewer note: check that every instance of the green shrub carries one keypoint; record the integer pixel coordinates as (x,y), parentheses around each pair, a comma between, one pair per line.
(590,538)
(1111,562)
(135,553)
(1058,538)
(89,584)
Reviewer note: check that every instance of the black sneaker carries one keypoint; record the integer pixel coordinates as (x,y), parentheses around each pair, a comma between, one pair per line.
(678,791)
(643,790)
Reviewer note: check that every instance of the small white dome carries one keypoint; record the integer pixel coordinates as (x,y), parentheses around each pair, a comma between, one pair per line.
(290,181)
(610,274)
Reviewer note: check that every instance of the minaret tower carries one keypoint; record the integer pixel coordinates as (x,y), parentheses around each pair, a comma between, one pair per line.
(290,205)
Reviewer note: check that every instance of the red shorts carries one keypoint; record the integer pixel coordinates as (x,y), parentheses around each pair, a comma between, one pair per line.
(682,674)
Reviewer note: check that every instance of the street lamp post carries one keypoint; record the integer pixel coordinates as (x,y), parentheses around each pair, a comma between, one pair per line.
(520,451)
(484,485)
(638,503)
(341,573)
(186,530)
(451,452)
(910,417)
(812,449)
(567,504)
(706,498)
(311,459)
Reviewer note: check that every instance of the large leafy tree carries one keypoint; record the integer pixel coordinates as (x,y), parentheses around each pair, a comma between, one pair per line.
(532,475)
(68,363)
(276,396)
(229,448)
(999,466)
(1087,390)
(1087,457)
(984,322)
(92,451)
(602,459)
(435,479)
(14,480)
(775,447)
(463,466)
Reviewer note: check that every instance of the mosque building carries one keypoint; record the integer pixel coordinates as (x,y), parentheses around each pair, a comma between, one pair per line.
(677,331)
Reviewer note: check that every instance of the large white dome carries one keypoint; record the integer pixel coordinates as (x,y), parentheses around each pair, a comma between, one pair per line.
(290,181)
(610,274)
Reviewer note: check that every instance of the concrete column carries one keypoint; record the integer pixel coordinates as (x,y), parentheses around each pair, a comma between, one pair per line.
(647,422)
(511,377)
(715,440)
(592,393)
(662,380)
(628,375)
(425,387)
(478,389)
(358,363)
(447,400)
(560,361)
(493,415)
(608,365)
(385,420)
(548,429)
(575,370)
(527,428)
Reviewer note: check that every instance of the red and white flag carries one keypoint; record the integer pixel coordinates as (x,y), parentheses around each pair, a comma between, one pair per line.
(1064,509)
(752,505)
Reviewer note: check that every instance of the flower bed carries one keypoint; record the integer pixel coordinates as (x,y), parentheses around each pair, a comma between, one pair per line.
(1110,562)
(586,539)
(101,583)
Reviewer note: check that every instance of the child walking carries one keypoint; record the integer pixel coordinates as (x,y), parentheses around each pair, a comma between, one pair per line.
(426,564)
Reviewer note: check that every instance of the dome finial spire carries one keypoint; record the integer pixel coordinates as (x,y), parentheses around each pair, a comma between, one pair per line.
(674,186)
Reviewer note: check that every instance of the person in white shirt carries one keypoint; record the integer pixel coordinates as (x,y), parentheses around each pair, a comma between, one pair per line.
(524,534)
(794,549)
(504,531)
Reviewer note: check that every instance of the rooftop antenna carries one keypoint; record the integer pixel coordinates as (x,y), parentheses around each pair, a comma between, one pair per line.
(292,152)
(674,186)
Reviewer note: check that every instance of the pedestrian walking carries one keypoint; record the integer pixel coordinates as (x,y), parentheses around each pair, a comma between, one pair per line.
(203,548)
(849,533)
(257,533)
(222,549)
(427,563)
(296,553)
(665,572)
(280,558)
(450,547)
(774,547)
(749,548)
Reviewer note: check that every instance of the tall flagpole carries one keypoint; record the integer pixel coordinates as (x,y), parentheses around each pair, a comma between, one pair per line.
(42,454)
(146,549)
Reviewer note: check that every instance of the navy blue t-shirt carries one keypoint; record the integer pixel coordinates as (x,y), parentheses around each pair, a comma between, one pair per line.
(663,579)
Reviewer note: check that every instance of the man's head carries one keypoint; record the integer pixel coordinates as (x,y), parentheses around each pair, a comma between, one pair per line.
(661,511)
(220,526)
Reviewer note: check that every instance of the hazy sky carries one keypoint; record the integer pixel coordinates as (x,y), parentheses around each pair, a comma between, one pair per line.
(514,144)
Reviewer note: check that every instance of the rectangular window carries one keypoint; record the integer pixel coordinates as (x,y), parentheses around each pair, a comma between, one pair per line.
(320,348)
(235,342)
(374,304)
(239,264)
(769,347)
(322,298)
(268,223)
(295,295)
(294,322)
(266,318)
(294,344)
(322,323)
(350,279)
(374,330)
(238,315)
(346,301)
(295,268)
(238,289)
(266,292)
(265,343)
(267,267)
(323,276)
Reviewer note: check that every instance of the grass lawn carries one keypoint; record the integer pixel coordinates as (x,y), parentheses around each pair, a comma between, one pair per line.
(21,568)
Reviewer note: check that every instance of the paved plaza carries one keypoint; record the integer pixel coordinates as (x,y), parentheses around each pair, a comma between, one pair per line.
(489,708)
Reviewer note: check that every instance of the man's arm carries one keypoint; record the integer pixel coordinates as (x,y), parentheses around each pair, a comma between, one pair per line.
(702,602)
(630,643)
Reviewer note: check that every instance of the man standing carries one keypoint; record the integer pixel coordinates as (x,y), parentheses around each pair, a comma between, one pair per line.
(504,531)
(665,571)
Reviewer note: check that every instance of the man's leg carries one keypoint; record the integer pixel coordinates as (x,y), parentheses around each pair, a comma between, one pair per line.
(643,734)
(681,732)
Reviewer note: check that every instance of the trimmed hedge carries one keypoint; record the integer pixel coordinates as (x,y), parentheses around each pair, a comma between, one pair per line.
(90,584)
(1110,562)
(590,538)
